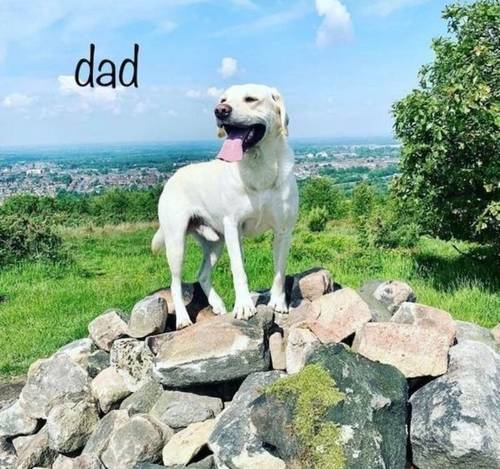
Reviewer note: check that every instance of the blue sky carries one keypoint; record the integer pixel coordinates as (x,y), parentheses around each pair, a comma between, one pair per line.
(339,64)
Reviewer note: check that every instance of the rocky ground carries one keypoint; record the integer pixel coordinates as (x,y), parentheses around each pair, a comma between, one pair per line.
(348,379)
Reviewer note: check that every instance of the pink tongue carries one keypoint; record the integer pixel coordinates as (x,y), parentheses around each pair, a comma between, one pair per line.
(232,148)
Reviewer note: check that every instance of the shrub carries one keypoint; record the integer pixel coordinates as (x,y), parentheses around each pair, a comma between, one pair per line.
(23,238)
(389,233)
(449,129)
(320,192)
(363,200)
(317,219)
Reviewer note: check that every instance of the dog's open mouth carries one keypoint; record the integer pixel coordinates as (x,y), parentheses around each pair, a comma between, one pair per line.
(239,140)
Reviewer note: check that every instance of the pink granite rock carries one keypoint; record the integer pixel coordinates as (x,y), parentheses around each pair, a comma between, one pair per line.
(277,350)
(338,315)
(428,317)
(413,350)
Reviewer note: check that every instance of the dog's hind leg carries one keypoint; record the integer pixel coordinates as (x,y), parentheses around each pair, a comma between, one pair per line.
(174,244)
(281,246)
(211,253)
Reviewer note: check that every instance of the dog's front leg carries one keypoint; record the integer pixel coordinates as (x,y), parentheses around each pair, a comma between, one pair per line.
(281,247)
(243,306)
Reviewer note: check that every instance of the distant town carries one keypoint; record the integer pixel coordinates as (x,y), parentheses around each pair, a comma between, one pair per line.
(345,163)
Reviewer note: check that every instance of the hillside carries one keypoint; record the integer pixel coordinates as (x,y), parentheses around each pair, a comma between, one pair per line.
(44,305)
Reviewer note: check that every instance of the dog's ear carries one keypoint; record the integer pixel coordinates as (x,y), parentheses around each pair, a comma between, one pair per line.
(221,133)
(278,99)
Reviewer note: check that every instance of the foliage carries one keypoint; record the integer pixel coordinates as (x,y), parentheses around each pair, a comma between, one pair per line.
(449,129)
(380,220)
(312,393)
(112,206)
(391,232)
(363,200)
(317,219)
(320,192)
(362,205)
(23,238)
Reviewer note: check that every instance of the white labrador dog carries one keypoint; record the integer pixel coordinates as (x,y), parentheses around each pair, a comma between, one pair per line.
(250,188)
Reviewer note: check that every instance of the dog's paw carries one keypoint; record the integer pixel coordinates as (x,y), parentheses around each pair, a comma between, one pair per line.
(244,309)
(183,323)
(278,304)
(218,307)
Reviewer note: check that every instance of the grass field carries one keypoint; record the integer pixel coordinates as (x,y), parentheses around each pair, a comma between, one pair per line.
(45,306)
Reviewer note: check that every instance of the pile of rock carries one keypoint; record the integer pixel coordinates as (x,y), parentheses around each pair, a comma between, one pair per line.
(355,379)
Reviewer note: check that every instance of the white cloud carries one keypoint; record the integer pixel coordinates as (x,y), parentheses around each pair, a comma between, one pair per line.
(193,94)
(228,67)
(336,25)
(17,101)
(88,97)
(210,92)
(265,22)
(386,7)
(166,27)
(214,92)
(248,4)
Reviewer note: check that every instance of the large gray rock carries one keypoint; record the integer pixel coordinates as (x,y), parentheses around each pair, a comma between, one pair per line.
(106,328)
(79,351)
(180,409)
(205,463)
(14,421)
(53,381)
(133,361)
(222,349)
(385,297)
(70,425)
(233,440)
(187,443)
(393,293)
(97,361)
(99,439)
(456,418)
(470,331)
(140,439)
(143,400)
(342,410)
(35,451)
(148,317)
(80,462)
(109,388)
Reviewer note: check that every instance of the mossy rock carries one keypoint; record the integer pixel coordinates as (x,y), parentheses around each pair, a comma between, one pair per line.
(341,412)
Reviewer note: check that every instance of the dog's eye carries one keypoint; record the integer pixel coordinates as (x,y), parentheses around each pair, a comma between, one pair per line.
(250,99)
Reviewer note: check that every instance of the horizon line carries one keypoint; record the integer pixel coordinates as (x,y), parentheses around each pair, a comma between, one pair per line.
(347,139)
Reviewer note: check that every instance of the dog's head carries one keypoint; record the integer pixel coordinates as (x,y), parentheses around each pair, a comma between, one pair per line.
(247,115)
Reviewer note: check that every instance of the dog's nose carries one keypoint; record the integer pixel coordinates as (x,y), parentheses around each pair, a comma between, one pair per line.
(222,111)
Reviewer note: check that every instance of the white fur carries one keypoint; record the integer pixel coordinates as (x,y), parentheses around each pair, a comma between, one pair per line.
(233,200)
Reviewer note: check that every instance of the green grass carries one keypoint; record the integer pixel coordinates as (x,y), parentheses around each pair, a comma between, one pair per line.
(48,305)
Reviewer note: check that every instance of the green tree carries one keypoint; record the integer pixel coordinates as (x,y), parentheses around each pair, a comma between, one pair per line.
(449,129)
(320,192)
(363,200)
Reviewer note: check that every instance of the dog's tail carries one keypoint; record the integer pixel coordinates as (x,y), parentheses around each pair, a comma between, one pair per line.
(158,242)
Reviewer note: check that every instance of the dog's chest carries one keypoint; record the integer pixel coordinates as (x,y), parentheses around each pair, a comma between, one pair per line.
(260,216)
